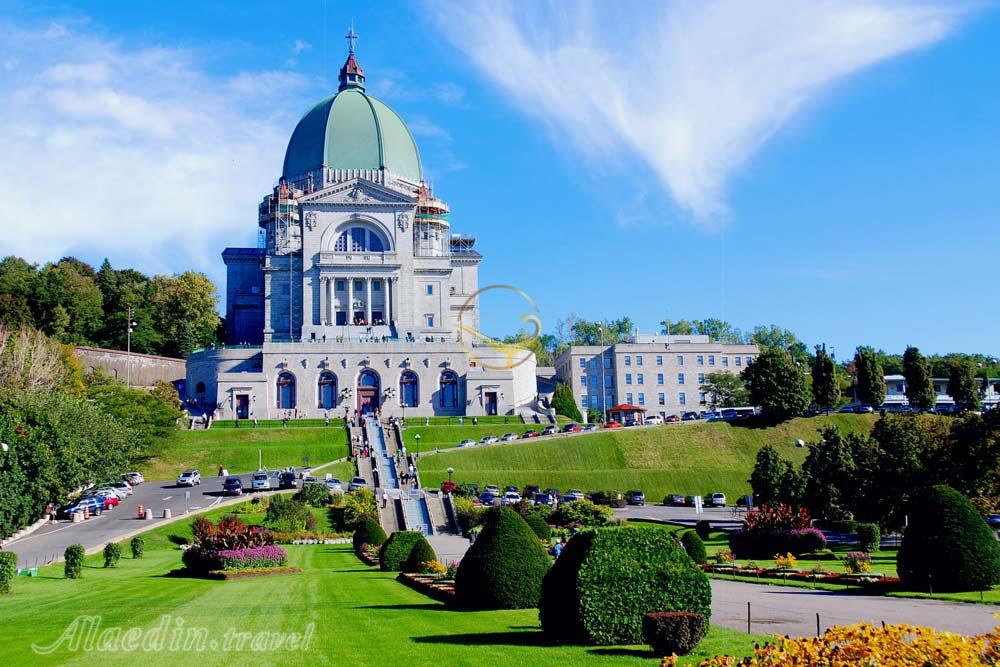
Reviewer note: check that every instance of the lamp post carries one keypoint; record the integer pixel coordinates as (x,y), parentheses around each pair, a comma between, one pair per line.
(450,471)
(131,324)
(416,439)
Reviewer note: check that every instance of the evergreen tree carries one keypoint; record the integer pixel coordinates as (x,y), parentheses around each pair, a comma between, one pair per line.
(829,473)
(919,383)
(767,476)
(825,390)
(776,385)
(188,341)
(562,401)
(870,377)
(962,385)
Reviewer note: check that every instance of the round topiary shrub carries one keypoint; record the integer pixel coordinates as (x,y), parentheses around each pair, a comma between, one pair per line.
(504,567)
(112,552)
(947,546)
(395,550)
(673,632)
(869,537)
(73,566)
(606,580)
(694,547)
(138,546)
(368,532)
(537,524)
(421,554)
(704,529)
(8,570)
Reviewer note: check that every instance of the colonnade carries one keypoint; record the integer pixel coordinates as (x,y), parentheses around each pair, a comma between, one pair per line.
(328,298)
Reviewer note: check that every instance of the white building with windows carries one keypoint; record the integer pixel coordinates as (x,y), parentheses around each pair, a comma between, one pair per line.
(359,295)
(661,373)
(895,392)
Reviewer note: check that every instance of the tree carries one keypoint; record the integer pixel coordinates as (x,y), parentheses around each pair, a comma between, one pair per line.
(594,416)
(962,385)
(678,328)
(968,459)
(829,472)
(767,476)
(774,337)
(564,404)
(719,331)
(185,313)
(70,303)
(725,390)
(898,472)
(585,332)
(825,390)
(776,385)
(919,383)
(870,377)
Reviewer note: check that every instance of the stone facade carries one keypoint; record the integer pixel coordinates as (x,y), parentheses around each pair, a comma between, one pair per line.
(146,369)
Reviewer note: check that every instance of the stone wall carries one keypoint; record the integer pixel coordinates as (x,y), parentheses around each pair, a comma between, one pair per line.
(147,369)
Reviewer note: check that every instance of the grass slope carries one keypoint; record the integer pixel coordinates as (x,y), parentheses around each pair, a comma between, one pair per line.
(445,436)
(236,450)
(675,458)
(361,615)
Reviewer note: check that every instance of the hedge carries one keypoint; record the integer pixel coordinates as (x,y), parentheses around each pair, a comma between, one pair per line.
(947,546)
(538,525)
(368,532)
(112,553)
(704,529)
(421,554)
(674,632)
(760,544)
(73,567)
(395,550)
(8,570)
(504,567)
(606,580)
(694,547)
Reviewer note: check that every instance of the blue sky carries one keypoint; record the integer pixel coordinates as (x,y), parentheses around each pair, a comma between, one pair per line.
(828,166)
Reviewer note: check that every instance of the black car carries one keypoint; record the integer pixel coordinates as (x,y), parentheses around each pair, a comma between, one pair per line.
(531,490)
(635,498)
(232,486)
(286,480)
(543,499)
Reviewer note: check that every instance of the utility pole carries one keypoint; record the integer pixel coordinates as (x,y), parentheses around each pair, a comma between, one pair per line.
(128,347)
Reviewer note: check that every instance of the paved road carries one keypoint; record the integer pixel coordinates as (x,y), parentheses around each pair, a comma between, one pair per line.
(49,542)
(720,517)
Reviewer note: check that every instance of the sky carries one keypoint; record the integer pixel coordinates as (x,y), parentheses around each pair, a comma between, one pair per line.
(828,166)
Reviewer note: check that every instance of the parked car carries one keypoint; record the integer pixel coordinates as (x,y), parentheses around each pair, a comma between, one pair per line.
(550,430)
(543,499)
(488,498)
(334,485)
(613,424)
(511,498)
(492,488)
(655,420)
(690,416)
(488,440)
(531,433)
(357,483)
(448,487)
(716,500)
(232,486)
(689,501)
(108,491)
(744,501)
(573,494)
(635,498)
(92,503)
(572,428)
(631,421)
(108,500)
(507,437)
(122,485)
(994,521)
(467,443)
(286,480)
(259,481)
(134,478)
(554,492)
(590,427)
(509,488)
(675,500)
(531,490)
(189,478)
(672,419)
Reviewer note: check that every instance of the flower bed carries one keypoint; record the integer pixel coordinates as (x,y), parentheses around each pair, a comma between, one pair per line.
(439,588)
(251,558)
(305,537)
(873,582)
(226,575)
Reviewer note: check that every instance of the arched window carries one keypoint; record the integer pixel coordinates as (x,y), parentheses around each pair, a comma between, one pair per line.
(327,390)
(409,395)
(449,389)
(286,391)
(199,388)
(360,239)
(368,379)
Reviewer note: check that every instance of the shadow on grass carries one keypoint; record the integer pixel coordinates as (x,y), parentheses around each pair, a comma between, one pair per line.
(632,652)
(536,638)
(429,606)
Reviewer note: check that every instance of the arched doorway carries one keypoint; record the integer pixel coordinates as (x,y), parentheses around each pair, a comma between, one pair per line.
(449,389)
(409,390)
(327,391)
(368,391)
(286,391)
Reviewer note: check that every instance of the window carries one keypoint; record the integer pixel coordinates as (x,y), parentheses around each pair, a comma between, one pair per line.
(286,391)
(449,389)
(430,289)
(583,362)
(701,379)
(638,360)
(583,380)
(701,397)
(738,360)
(327,390)
(700,360)
(628,398)
(659,360)
(749,360)
(429,319)
(628,360)
(642,399)
(607,362)
(659,378)
(680,359)
(376,285)
(711,360)
(341,286)
(680,378)
(661,399)
(682,398)
(628,378)
(608,381)
(359,239)
(358,286)
(408,389)
(639,378)
(199,388)
(593,380)
(725,361)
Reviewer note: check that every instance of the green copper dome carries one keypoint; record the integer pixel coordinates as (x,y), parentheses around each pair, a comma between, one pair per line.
(352,130)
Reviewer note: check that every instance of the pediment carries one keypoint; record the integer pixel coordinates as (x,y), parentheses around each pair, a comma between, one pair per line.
(358,192)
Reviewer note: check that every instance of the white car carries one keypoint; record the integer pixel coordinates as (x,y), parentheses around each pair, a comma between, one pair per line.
(654,419)
(575,494)
(134,478)
(511,498)
(717,500)
(106,491)
(467,443)
(508,437)
(488,440)
(123,486)
(189,478)
(259,481)
(492,488)
(357,483)
(334,485)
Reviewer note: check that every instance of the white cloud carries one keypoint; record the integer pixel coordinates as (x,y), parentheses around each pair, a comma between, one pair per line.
(692,88)
(423,126)
(301,46)
(134,154)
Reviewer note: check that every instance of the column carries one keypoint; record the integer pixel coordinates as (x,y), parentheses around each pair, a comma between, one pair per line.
(368,300)
(350,300)
(330,295)
(388,300)
(322,300)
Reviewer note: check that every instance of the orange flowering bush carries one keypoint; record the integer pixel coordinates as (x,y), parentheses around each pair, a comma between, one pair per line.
(865,644)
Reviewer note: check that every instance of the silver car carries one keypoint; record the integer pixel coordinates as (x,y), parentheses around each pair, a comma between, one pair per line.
(334,485)
(259,481)
(189,478)
(357,483)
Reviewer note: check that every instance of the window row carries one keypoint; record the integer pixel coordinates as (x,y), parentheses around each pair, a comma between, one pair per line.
(327,397)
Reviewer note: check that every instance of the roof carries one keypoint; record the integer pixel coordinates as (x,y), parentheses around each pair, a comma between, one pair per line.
(625,407)
(352,130)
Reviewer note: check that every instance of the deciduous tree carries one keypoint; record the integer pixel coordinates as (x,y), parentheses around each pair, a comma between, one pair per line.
(962,385)
(725,390)
(870,378)
(777,385)
(919,383)
(825,389)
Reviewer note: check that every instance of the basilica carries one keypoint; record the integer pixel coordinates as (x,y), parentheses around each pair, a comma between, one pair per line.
(358,296)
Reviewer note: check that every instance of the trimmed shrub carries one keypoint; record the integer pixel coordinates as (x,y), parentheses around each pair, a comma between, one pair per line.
(504,567)
(673,632)
(947,546)
(694,547)
(420,555)
(8,570)
(582,512)
(73,566)
(869,537)
(704,529)
(138,546)
(606,580)
(112,553)
(288,514)
(316,495)
(395,550)
(537,524)
(370,533)
(764,544)
(359,505)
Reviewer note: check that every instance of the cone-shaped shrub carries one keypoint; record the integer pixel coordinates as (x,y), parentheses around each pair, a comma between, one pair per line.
(368,532)
(694,547)
(421,554)
(395,550)
(607,579)
(537,524)
(8,571)
(73,566)
(947,546)
(504,567)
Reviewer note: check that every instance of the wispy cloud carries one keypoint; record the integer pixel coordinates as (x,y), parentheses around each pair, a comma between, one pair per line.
(300,46)
(692,88)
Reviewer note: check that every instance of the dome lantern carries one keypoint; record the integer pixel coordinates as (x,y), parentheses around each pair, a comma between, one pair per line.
(351,74)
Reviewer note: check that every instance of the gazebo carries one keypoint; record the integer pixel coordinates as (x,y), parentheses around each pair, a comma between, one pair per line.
(624,411)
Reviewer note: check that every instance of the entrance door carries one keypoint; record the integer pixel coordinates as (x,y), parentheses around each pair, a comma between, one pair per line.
(341,318)
(491,402)
(242,406)
(368,391)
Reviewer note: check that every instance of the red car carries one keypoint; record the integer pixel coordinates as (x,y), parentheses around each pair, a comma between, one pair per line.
(572,428)
(448,487)
(613,424)
(529,434)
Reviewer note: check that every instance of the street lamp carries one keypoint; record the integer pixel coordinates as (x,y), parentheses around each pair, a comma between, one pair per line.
(416,438)
(131,325)
(450,471)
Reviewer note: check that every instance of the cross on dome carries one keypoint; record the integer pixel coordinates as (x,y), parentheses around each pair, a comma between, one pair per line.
(351,37)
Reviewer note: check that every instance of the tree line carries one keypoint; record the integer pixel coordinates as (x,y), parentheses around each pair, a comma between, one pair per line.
(73,303)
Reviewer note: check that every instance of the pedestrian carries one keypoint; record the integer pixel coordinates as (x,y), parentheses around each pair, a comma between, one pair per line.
(475,421)
(385,499)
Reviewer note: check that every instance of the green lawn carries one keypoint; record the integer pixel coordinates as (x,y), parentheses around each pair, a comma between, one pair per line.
(445,436)
(236,450)
(360,616)
(674,458)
